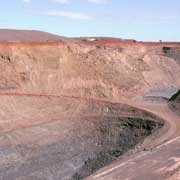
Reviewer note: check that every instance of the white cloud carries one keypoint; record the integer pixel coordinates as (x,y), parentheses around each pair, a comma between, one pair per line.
(70,15)
(68,1)
(58,1)
(62,1)
(92,1)
(66,14)
(99,1)
(26,1)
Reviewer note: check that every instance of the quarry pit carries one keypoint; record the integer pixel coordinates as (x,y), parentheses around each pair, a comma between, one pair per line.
(73,109)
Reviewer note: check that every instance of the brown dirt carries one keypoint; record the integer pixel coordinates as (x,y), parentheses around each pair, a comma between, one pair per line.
(83,69)
(71,106)
(28,35)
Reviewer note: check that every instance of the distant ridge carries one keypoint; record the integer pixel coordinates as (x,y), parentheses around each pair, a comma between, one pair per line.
(28,35)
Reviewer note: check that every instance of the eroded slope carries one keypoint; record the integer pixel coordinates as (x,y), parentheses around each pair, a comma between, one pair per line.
(174,102)
(83,69)
(44,137)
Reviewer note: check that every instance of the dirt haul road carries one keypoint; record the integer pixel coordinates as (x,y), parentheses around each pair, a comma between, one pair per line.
(46,136)
(160,157)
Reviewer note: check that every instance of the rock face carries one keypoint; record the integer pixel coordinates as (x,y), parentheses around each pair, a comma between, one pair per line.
(173,52)
(174,102)
(45,138)
(57,118)
(89,69)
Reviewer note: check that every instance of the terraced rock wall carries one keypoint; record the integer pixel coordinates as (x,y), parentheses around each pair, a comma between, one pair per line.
(88,70)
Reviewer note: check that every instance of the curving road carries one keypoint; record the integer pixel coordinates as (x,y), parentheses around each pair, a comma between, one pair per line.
(158,157)
(171,128)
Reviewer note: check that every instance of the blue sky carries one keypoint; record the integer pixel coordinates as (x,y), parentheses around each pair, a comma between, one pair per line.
(149,20)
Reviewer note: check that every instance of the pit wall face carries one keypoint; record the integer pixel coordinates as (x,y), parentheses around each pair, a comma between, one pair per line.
(88,70)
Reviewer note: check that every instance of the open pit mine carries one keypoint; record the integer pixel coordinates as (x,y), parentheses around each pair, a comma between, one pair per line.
(88,108)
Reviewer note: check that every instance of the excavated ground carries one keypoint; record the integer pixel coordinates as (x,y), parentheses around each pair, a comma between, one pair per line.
(128,71)
(174,102)
(45,137)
